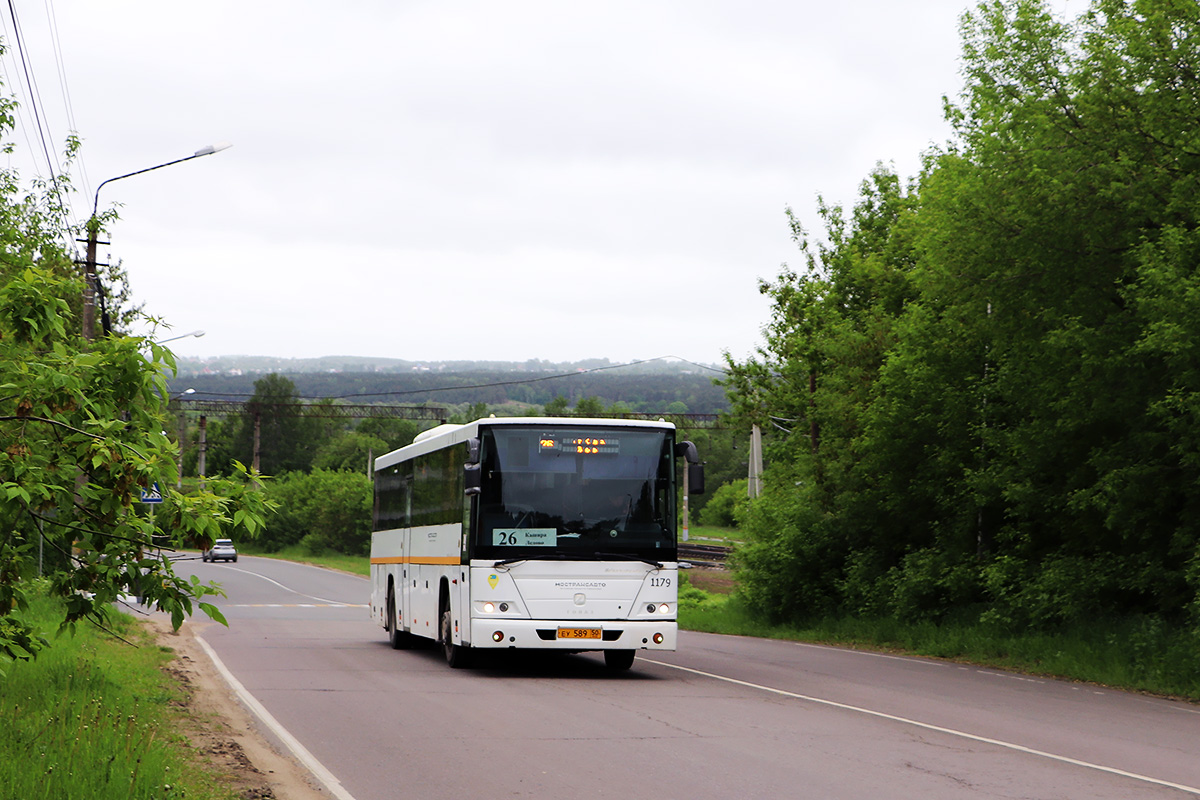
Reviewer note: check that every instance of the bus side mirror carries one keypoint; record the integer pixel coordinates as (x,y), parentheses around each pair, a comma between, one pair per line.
(472,478)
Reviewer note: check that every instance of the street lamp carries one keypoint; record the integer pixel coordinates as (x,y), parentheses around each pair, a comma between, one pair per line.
(197,334)
(93,231)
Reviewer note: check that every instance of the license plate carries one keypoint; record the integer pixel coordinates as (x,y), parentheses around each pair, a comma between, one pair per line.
(579,633)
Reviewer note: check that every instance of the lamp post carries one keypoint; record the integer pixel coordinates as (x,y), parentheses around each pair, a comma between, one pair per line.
(197,334)
(93,232)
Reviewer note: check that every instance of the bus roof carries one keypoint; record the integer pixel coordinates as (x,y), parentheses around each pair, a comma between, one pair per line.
(447,435)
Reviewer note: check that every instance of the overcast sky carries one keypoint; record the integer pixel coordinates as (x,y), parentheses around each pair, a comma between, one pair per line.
(476,180)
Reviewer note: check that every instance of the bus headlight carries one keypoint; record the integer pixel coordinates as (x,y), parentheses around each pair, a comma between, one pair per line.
(664,608)
(489,608)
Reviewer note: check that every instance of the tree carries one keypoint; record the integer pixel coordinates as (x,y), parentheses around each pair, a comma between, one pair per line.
(984,391)
(287,438)
(395,432)
(81,435)
(351,451)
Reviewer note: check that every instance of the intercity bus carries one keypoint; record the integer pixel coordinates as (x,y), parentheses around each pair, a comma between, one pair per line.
(531,532)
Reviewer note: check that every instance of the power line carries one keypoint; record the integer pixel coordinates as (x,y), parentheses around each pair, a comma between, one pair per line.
(37,108)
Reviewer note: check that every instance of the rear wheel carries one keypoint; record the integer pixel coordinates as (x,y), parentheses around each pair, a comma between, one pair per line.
(457,656)
(619,659)
(397,637)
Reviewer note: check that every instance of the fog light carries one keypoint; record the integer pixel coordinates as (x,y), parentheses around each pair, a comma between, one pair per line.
(498,636)
(488,608)
(658,638)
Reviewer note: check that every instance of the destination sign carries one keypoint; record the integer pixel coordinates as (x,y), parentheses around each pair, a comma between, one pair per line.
(580,445)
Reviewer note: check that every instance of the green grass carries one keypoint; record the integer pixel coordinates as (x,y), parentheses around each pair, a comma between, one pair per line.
(92,718)
(704,534)
(1137,654)
(357,565)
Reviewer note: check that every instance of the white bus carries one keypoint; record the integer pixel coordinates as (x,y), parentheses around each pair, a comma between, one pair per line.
(550,533)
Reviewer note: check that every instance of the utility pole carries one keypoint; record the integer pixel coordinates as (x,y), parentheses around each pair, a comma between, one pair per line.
(203,448)
(89,278)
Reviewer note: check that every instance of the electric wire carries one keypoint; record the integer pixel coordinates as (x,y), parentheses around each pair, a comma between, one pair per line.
(65,88)
(42,126)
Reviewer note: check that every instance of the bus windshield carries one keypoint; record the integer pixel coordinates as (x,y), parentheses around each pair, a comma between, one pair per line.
(572,492)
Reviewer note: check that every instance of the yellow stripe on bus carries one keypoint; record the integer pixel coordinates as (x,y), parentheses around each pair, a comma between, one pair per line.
(417,560)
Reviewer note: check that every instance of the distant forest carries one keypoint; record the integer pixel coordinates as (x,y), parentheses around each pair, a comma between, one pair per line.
(644,392)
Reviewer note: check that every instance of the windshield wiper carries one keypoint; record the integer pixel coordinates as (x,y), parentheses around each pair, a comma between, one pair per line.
(541,557)
(627,557)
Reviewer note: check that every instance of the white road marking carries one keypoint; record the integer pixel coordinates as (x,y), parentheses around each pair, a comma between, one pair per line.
(925,725)
(301,753)
(287,588)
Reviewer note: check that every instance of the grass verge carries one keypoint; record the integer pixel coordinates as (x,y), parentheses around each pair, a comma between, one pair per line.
(95,718)
(356,565)
(1138,653)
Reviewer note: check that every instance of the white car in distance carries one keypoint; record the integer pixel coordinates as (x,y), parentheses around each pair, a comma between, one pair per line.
(222,550)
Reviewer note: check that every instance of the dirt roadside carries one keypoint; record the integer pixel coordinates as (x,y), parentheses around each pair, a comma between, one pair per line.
(224,731)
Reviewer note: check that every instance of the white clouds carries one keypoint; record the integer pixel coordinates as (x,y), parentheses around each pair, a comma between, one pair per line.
(640,154)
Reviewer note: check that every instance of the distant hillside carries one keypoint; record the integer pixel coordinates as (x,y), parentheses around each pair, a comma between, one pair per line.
(639,387)
(263,365)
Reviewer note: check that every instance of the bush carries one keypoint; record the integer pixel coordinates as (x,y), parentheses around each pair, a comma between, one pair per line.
(727,505)
(322,510)
(791,565)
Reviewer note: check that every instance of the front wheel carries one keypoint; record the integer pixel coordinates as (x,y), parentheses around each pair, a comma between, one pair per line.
(457,656)
(619,659)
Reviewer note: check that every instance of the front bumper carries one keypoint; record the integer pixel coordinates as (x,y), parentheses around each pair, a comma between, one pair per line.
(542,634)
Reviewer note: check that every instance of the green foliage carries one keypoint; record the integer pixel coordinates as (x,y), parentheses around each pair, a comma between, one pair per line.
(726,505)
(396,433)
(350,451)
(983,394)
(325,510)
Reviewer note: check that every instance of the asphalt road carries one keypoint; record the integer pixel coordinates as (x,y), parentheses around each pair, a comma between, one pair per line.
(723,717)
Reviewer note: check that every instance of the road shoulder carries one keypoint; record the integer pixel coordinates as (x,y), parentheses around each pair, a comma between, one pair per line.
(223,730)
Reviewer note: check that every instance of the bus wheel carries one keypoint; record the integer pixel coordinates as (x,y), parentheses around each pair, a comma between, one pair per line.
(457,656)
(619,659)
(398,638)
